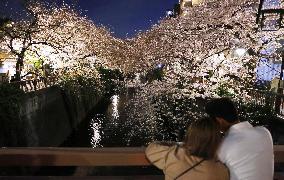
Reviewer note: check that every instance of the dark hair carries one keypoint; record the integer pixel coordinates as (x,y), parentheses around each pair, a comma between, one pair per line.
(223,108)
(203,138)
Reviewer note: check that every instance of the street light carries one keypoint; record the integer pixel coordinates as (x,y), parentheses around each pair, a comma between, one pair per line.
(239,52)
(170,13)
(160,66)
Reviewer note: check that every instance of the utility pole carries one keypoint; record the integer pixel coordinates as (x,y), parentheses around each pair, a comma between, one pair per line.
(279,95)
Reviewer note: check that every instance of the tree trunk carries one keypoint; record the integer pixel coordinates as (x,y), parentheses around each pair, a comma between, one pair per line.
(19,66)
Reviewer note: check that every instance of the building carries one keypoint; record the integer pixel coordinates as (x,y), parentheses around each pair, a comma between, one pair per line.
(7,66)
(185,5)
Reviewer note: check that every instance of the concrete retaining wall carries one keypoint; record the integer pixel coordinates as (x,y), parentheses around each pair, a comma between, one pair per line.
(52,115)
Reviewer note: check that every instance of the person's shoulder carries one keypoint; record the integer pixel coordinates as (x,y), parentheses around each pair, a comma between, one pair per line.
(232,138)
(264,133)
(262,128)
(220,165)
(231,143)
(217,167)
(157,146)
(214,162)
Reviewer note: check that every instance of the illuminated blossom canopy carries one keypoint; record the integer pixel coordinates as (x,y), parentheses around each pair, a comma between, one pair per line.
(61,37)
(214,48)
(213,51)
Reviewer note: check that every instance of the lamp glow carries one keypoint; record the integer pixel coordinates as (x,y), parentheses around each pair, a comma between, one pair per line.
(240,52)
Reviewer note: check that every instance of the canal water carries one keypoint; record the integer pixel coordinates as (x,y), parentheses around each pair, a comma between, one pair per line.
(109,125)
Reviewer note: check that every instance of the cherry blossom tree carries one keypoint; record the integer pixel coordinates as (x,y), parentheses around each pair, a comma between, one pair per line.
(213,51)
(216,45)
(61,37)
(20,36)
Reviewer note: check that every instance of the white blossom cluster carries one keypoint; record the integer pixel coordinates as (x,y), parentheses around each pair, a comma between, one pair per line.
(203,50)
(213,51)
(198,50)
(62,38)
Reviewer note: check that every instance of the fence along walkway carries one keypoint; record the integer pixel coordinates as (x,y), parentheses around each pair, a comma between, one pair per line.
(268,98)
(91,157)
(34,85)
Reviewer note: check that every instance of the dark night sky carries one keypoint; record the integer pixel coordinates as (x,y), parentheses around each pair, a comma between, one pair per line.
(123,17)
(126,16)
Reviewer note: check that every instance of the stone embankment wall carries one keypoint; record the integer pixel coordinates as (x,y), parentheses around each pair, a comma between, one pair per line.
(52,115)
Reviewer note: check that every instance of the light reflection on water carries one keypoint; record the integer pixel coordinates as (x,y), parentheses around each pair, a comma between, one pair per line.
(114,102)
(96,123)
(95,128)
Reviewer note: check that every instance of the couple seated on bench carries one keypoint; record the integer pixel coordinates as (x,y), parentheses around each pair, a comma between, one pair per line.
(244,153)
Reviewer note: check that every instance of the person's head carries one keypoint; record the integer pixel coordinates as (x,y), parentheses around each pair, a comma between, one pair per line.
(203,138)
(224,111)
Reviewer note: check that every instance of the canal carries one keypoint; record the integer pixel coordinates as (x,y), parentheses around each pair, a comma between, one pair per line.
(109,125)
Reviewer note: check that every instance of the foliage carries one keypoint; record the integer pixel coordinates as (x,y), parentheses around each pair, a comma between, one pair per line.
(7,90)
(60,36)
(81,87)
(102,82)
(159,116)
(200,52)
(224,91)
(175,115)
(210,52)
(14,131)
(154,74)
(257,114)
(111,80)
(171,117)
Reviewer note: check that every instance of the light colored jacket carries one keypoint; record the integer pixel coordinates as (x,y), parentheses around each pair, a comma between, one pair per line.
(173,160)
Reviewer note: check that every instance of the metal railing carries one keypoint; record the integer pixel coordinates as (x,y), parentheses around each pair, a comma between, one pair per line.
(35,84)
(268,98)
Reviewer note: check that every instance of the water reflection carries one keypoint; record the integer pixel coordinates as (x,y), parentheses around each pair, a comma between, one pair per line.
(114,102)
(104,122)
(95,129)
